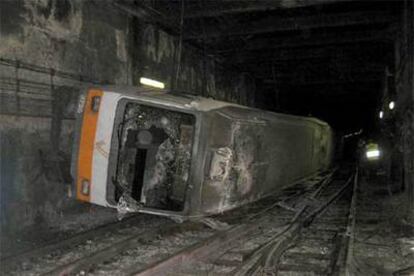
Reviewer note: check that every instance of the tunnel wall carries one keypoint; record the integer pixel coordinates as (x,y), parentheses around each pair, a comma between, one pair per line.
(49,51)
(404,76)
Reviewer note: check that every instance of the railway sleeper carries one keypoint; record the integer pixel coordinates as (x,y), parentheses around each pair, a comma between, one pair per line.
(306,259)
(203,268)
(313,247)
(129,246)
(304,255)
(309,269)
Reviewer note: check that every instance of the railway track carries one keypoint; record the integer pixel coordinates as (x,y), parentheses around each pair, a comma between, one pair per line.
(164,247)
(310,243)
(323,247)
(68,255)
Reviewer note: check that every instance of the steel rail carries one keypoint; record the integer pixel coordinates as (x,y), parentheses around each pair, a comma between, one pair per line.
(201,250)
(221,241)
(344,263)
(86,262)
(8,262)
(267,256)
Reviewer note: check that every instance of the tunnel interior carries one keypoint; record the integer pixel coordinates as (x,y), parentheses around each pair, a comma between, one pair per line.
(348,63)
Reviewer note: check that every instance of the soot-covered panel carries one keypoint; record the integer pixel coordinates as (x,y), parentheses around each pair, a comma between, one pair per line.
(155,156)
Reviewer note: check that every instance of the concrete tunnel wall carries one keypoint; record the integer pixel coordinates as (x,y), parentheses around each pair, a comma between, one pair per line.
(49,50)
(402,140)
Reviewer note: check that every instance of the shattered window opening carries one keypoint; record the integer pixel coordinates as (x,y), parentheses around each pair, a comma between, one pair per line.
(154,158)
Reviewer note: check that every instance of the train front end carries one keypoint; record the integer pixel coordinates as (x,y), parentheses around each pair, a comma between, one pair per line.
(134,152)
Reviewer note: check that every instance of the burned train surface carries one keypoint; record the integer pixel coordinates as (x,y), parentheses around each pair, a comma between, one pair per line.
(186,156)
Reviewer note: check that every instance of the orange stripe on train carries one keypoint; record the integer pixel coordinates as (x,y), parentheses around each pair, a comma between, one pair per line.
(86,146)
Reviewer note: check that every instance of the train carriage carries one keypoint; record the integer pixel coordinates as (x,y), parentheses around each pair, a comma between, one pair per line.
(185,156)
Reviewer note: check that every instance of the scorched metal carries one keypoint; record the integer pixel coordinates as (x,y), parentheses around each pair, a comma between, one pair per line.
(185,156)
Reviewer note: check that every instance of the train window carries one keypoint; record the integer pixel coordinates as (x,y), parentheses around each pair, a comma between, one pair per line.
(154,156)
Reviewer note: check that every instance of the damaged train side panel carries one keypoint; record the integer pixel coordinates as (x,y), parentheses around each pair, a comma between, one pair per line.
(186,156)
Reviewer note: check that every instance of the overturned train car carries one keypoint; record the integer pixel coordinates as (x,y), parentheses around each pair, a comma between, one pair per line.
(186,156)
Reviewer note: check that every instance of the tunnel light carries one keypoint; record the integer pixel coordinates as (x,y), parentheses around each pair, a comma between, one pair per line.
(152,83)
(391,105)
(381,114)
(373,154)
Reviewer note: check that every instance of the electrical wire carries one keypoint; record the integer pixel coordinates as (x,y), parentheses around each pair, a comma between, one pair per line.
(44,70)
(180,45)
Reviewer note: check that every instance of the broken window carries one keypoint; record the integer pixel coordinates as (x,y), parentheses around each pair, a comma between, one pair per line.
(154,159)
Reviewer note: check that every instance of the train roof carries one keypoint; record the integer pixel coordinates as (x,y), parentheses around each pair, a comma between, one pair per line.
(198,103)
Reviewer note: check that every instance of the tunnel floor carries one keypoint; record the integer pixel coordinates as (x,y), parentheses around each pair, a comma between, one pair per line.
(383,240)
(75,220)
